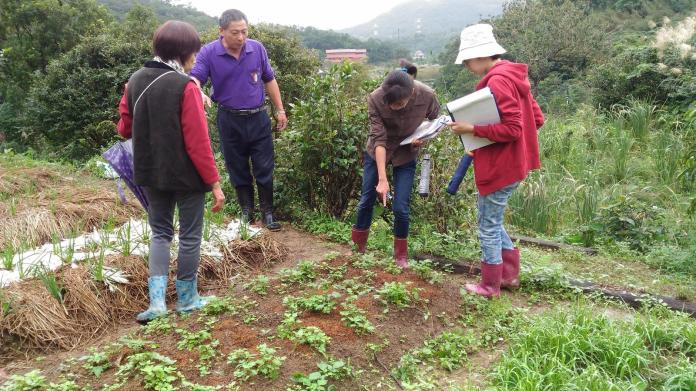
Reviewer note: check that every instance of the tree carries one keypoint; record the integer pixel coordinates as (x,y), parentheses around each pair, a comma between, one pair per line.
(164,10)
(32,32)
(292,62)
(454,80)
(140,24)
(550,36)
(71,110)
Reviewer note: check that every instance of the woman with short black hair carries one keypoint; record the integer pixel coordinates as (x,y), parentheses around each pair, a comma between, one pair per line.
(396,109)
(162,110)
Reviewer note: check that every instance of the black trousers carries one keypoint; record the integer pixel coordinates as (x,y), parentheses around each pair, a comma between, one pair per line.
(246,139)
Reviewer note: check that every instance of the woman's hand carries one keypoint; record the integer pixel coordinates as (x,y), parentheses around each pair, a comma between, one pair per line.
(461,127)
(218,197)
(206,100)
(382,190)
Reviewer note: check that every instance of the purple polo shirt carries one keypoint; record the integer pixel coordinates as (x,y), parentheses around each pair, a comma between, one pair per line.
(237,84)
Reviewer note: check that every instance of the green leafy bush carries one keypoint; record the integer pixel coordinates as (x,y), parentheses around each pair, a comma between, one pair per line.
(72,109)
(319,155)
(633,221)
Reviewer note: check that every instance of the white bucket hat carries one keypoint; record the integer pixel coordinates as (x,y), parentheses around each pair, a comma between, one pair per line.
(477,41)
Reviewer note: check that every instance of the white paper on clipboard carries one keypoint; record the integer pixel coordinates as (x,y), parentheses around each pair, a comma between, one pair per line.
(427,130)
(478,108)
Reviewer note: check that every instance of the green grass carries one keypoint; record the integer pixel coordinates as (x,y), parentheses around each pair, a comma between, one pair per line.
(582,348)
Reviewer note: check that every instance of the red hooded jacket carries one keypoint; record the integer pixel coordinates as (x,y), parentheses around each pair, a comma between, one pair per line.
(516,148)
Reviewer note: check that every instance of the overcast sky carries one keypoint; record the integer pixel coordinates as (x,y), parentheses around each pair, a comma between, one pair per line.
(321,14)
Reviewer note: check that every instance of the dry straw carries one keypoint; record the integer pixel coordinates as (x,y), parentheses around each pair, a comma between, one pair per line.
(39,204)
(91,310)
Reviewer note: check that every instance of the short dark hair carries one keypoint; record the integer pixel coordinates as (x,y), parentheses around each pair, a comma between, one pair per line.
(408,67)
(176,40)
(397,86)
(496,57)
(231,15)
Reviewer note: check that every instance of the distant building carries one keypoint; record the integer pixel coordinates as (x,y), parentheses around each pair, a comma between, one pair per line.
(352,55)
(418,55)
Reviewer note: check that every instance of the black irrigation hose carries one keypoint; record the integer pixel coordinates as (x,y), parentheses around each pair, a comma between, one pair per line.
(547,244)
(631,299)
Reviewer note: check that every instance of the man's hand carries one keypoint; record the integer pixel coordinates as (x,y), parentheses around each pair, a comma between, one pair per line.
(218,197)
(417,143)
(461,127)
(281,119)
(382,190)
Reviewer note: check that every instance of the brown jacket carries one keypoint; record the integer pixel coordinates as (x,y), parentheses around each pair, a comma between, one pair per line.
(388,127)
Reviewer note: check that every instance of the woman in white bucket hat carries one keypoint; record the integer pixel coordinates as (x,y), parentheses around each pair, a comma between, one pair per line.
(500,167)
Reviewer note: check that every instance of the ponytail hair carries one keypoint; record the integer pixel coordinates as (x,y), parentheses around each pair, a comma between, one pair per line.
(408,67)
(397,86)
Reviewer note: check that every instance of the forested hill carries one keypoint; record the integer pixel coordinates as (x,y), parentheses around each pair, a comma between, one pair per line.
(422,25)
(164,10)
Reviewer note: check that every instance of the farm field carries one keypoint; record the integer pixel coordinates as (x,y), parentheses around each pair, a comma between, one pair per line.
(295,311)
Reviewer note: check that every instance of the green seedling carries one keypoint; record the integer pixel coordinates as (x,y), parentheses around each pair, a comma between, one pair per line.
(319,380)
(304,273)
(191,340)
(316,303)
(96,362)
(312,336)
(157,372)
(50,281)
(259,285)
(426,270)
(265,362)
(8,255)
(159,326)
(356,318)
(32,380)
(398,294)
(206,354)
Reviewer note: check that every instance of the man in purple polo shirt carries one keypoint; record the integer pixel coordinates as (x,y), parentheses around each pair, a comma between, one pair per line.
(241,74)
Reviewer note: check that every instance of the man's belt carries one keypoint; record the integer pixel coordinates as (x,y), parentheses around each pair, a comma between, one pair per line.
(243,112)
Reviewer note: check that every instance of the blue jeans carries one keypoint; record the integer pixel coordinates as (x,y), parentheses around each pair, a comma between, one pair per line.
(492,235)
(402,185)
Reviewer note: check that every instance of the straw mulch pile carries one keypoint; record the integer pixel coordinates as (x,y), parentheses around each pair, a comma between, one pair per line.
(89,309)
(38,204)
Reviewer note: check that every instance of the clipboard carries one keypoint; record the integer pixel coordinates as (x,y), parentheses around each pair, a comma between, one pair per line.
(478,108)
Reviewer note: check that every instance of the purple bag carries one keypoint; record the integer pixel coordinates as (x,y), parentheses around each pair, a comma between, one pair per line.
(120,157)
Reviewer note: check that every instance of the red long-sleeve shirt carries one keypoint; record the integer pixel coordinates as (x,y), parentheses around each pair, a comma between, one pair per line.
(194,127)
(516,148)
